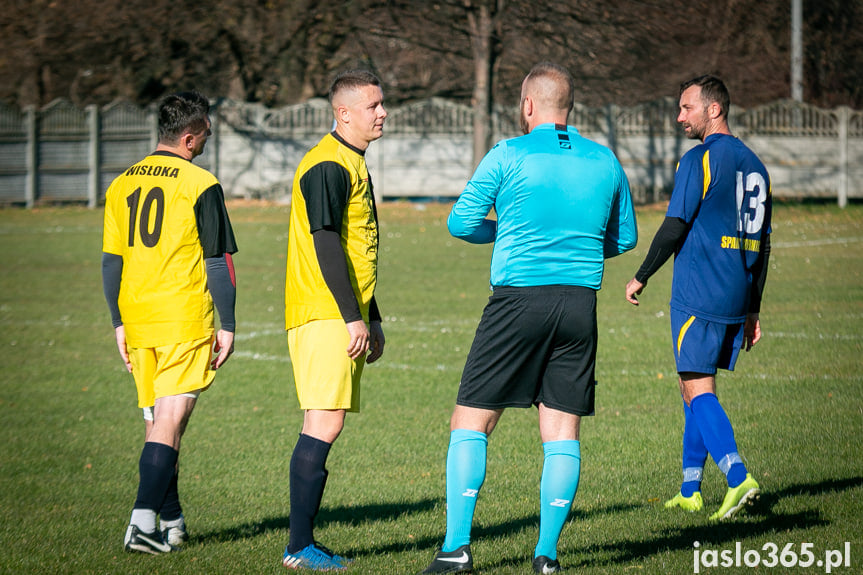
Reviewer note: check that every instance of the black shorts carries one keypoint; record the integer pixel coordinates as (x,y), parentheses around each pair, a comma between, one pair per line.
(534,345)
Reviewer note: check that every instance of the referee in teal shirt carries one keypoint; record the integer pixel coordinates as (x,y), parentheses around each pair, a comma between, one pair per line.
(563,206)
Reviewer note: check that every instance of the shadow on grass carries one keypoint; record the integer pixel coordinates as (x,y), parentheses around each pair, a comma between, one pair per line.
(478,533)
(710,536)
(356,515)
(762,520)
(353,515)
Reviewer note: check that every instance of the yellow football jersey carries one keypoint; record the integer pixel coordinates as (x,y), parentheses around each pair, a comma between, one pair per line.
(331,190)
(164,215)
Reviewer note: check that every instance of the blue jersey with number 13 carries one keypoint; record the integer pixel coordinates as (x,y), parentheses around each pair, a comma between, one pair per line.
(722,191)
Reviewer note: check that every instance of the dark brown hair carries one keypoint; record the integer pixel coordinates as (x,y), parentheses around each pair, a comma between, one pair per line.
(712,90)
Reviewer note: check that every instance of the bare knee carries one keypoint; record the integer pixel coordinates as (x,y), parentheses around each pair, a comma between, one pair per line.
(475,419)
(324,424)
(694,384)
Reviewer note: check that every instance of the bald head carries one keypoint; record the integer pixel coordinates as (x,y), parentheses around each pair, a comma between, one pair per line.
(550,86)
(546,96)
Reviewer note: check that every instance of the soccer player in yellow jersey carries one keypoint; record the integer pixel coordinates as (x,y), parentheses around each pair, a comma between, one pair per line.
(166,259)
(332,319)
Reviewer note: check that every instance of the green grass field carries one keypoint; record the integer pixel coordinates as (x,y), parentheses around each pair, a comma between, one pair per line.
(71,433)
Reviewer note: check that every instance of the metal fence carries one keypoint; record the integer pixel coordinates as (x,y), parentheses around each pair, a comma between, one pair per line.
(66,154)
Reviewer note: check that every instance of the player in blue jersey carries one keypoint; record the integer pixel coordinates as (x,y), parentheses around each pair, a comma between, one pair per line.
(563,205)
(718,227)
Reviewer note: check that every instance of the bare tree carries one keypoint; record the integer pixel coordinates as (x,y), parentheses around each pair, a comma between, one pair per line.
(285,51)
(280,52)
(465,33)
(833,52)
(484,18)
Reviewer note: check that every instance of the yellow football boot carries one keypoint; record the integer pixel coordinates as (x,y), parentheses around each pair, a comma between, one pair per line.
(737,498)
(692,503)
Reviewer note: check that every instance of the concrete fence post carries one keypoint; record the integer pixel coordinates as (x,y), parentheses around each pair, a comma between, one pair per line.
(215,151)
(153,117)
(611,123)
(32,160)
(842,192)
(94,161)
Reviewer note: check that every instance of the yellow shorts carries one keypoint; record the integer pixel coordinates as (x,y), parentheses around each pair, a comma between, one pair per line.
(326,377)
(171,369)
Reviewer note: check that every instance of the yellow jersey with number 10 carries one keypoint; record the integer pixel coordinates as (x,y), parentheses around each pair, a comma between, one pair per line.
(152,214)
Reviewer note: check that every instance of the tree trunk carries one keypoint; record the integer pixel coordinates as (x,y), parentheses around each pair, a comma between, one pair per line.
(482,47)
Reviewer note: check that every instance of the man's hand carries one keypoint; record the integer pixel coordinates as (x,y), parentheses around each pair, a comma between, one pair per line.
(120,333)
(633,288)
(224,347)
(751,331)
(359,338)
(376,342)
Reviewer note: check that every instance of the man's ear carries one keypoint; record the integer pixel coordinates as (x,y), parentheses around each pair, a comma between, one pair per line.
(714,111)
(187,140)
(528,106)
(344,114)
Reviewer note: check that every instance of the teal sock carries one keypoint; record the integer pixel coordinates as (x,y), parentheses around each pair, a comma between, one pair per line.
(561,469)
(465,474)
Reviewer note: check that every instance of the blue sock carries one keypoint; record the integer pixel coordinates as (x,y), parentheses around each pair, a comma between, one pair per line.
(694,454)
(561,469)
(718,437)
(465,474)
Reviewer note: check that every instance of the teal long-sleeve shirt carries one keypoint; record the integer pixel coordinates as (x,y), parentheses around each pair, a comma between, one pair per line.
(563,206)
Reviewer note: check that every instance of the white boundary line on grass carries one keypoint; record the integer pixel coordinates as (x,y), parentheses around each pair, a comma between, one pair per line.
(822,336)
(250,355)
(824,242)
(262,356)
(797,377)
(243,336)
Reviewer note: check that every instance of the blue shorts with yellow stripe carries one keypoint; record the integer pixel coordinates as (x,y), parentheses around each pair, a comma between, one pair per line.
(702,346)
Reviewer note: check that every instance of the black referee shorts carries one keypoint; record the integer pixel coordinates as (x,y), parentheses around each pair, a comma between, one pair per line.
(534,345)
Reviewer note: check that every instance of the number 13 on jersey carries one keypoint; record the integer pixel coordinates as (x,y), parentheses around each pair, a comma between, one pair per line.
(751,196)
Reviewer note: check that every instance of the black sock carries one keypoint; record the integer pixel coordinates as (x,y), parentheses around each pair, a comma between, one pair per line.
(171,508)
(156,467)
(308,478)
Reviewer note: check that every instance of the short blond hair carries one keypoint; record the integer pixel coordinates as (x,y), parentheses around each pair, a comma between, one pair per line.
(552,84)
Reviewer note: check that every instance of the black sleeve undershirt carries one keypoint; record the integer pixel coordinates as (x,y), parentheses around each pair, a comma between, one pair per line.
(374,312)
(112,273)
(668,237)
(217,239)
(334,269)
(326,188)
(223,290)
(214,225)
(759,276)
